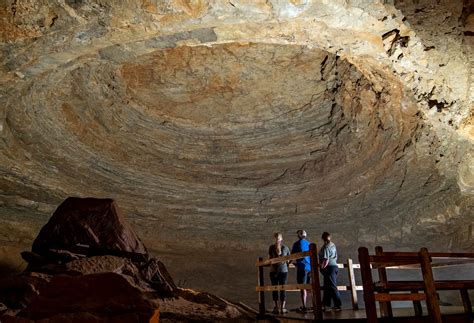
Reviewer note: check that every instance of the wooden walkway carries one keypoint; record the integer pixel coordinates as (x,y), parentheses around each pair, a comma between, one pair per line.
(382,292)
(449,314)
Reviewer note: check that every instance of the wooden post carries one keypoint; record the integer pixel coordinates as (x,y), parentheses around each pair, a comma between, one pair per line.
(466,302)
(385,307)
(368,285)
(261,295)
(316,289)
(417,306)
(430,290)
(352,284)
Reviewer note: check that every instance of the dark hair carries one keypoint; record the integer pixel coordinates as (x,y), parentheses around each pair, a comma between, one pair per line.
(325,236)
(301,234)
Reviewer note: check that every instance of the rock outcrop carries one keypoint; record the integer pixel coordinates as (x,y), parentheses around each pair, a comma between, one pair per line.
(88,226)
(106,297)
(65,284)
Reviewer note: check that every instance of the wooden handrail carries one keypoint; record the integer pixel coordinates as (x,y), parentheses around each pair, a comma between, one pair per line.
(431,254)
(406,285)
(314,286)
(409,263)
(288,287)
(384,297)
(390,260)
(386,291)
(435,264)
(384,261)
(278,260)
(298,287)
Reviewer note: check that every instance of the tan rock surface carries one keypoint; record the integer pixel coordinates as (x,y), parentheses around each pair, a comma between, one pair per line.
(215,123)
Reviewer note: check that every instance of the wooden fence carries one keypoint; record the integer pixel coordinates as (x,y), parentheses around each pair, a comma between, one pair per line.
(385,291)
(314,286)
(315,282)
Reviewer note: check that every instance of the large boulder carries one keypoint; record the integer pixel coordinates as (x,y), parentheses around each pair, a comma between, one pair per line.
(151,276)
(105,297)
(16,291)
(88,226)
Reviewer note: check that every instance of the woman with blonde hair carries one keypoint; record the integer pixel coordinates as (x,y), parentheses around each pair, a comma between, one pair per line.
(279,271)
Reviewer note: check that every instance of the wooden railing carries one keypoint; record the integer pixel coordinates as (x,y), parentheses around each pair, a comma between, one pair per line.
(315,287)
(383,291)
(352,287)
(415,291)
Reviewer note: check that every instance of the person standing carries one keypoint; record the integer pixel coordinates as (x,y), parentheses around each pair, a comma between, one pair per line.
(303,266)
(279,271)
(328,264)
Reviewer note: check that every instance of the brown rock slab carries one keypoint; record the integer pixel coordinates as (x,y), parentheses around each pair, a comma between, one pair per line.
(89,226)
(195,306)
(92,298)
(102,264)
(118,265)
(16,291)
(13,319)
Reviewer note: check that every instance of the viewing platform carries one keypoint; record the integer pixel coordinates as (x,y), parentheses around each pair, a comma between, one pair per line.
(405,314)
(379,296)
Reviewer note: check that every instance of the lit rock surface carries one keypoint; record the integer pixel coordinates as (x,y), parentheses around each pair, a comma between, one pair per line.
(215,123)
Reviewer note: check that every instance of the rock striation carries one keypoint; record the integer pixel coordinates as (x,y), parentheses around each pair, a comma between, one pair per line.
(215,123)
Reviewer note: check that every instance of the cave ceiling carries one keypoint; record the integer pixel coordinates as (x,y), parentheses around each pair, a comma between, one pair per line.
(220,122)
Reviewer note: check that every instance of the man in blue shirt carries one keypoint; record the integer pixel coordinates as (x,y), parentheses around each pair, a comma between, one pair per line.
(303,265)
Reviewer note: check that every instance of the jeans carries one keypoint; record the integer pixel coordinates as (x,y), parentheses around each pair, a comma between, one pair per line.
(279,279)
(303,276)
(330,286)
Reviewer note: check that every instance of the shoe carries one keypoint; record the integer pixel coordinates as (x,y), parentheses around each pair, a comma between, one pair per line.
(275,310)
(336,308)
(302,309)
(284,311)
